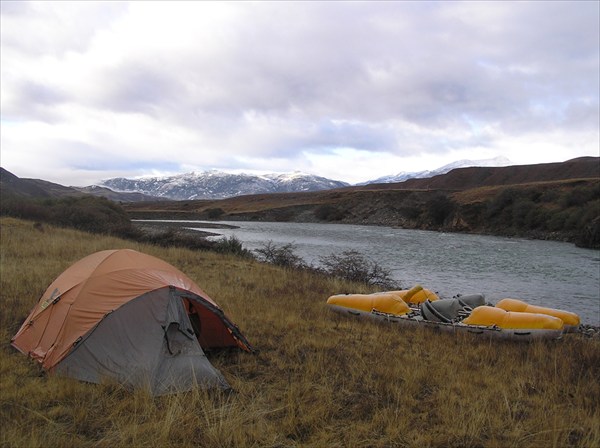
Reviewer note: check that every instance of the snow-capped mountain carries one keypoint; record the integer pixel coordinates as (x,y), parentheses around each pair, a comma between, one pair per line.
(402,176)
(215,184)
(218,185)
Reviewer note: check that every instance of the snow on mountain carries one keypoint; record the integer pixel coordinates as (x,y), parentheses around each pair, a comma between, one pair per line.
(215,184)
(402,176)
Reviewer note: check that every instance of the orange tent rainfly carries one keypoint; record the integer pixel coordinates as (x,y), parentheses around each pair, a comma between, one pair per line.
(130,317)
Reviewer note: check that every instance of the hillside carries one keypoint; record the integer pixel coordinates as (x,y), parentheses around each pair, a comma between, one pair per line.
(107,193)
(474,177)
(549,201)
(33,188)
(38,189)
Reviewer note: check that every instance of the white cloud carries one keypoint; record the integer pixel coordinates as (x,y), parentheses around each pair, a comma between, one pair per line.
(351,90)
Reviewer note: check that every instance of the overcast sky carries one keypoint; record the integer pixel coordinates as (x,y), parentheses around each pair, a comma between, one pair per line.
(347,90)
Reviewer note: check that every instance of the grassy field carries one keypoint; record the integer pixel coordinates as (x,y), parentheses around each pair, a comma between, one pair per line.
(319,379)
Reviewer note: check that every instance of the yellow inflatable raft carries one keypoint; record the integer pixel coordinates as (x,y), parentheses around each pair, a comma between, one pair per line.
(388,303)
(571,320)
(449,314)
(415,295)
(487,316)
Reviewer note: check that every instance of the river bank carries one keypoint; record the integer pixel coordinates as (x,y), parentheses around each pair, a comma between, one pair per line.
(156,227)
(516,268)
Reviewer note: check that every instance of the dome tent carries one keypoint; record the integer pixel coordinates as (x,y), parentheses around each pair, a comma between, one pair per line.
(130,317)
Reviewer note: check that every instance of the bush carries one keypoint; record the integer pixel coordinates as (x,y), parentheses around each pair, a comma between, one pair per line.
(280,255)
(329,213)
(581,195)
(520,210)
(87,213)
(501,201)
(215,213)
(574,219)
(557,221)
(410,212)
(172,237)
(590,235)
(353,266)
(439,208)
(549,196)
(231,245)
(537,218)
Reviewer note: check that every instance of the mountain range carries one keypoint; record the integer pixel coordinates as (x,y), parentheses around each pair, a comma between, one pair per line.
(215,184)
(219,185)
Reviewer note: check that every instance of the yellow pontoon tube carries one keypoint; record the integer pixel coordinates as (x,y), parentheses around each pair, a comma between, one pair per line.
(389,303)
(415,295)
(570,319)
(489,316)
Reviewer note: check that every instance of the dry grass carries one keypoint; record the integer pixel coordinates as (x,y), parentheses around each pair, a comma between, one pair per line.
(319,379)
(482,194)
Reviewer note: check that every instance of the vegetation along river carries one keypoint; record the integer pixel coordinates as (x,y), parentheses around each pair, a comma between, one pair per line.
(546,273)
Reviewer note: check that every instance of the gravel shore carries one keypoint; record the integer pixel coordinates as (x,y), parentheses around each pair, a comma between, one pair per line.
(155,227)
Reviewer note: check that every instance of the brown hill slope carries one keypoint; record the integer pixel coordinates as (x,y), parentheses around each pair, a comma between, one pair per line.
(33,188)
(37,188)
(473,177)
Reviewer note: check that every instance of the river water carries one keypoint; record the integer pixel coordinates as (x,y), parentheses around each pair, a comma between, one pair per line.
(546,273)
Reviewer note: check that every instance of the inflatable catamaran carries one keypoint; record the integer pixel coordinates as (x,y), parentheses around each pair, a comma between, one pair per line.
(509,318)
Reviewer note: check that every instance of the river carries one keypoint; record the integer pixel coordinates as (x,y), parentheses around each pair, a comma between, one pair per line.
(546,273)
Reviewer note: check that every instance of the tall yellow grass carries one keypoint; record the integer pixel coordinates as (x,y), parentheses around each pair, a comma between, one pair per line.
(318,380)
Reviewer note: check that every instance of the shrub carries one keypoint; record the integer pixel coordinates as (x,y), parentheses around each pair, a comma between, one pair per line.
(574,218)
(439,208)
(88,213)
(501,201)
(172,237)
(557,221)
(354,266)
(280,255)
(590,235)
(549,195)
(215,213)
(520,209)
(232,245)
(410,212)
(328,212)
(537,218)
(580,195)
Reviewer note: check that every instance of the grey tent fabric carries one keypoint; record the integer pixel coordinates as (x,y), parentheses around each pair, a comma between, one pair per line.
(148,343)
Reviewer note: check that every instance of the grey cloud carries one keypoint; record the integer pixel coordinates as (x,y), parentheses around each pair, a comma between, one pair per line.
(33,92)
(323,60)
(31,27)
(14,8)
(138,88)
(31,99)
(432,74)
(278,79)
